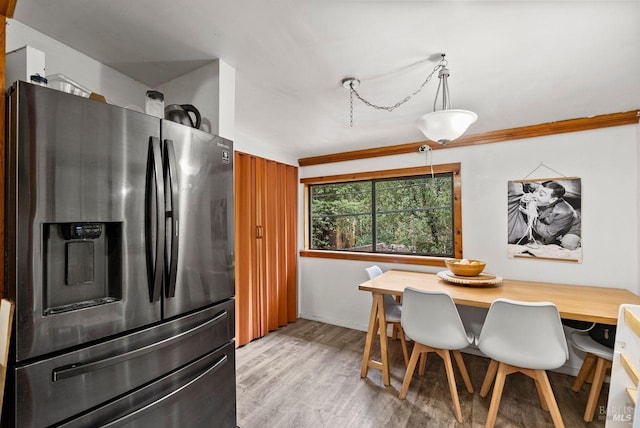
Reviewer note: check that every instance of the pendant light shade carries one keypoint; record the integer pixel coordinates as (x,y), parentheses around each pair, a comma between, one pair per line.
(442,125)
(445,125)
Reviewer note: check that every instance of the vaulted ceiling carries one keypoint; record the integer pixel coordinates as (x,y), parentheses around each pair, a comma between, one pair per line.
(514,63)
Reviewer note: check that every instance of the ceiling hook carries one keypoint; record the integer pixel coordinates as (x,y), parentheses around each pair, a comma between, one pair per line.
(350,82)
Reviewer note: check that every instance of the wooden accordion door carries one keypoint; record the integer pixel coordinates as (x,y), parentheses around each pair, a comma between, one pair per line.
(266,243)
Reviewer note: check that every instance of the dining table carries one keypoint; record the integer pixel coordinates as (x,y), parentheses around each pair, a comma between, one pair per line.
(575,302)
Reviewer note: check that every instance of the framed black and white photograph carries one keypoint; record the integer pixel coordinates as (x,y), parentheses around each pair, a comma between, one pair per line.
(544,219)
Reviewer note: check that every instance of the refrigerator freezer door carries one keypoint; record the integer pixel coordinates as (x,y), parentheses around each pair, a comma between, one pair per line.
(199,219)
(77,176)
(59,388)
(202,394)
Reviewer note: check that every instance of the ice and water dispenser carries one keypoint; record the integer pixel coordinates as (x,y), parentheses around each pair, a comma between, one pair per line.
(82,265)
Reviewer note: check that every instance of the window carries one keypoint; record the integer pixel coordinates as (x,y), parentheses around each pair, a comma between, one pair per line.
(398,212)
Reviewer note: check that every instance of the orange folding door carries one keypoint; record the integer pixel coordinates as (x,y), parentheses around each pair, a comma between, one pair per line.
(266,238)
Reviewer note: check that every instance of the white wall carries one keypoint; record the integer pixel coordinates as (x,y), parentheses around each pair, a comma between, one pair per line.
(638,201)
(210,88)
(605,159)
(226,101)
(59,58)
(248,144)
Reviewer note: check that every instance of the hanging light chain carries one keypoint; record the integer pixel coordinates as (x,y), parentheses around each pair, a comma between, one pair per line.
(351,105)
(352,91)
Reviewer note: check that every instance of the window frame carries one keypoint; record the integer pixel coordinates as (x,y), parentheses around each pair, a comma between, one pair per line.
(453,168)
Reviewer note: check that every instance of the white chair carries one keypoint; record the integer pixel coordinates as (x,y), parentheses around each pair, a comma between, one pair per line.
(523,337)
(594,353)
(392,313)
(431,320)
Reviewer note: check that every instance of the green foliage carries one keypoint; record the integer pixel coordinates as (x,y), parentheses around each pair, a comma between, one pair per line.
(341,215)
(412,215)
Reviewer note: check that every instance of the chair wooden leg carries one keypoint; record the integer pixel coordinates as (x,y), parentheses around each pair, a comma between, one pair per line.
(420,352)
(601,368)
(543,402)
(587,364)
(423,363)
(403,342)
(397,328)
(497,392)
(417,350)
(545,386)
(463,371)
(446,356)
(488,378)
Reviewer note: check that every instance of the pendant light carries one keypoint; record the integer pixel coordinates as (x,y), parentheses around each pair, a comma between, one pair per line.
(441,126)
(447,124)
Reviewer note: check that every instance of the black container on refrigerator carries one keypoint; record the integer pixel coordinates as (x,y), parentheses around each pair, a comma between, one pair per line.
(119,245)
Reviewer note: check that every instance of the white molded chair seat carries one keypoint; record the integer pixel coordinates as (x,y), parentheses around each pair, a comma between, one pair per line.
(524,337)
(431,319)
(373,271)
(602,357)
(585,343)
(392,312)
(392,309)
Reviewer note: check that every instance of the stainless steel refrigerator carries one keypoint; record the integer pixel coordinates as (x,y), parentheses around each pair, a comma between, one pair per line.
(120,259)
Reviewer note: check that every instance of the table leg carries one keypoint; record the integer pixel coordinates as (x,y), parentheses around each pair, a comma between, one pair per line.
(377,324)
(371,332)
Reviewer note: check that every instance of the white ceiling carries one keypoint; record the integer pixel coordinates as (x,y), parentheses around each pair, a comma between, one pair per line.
(515,63)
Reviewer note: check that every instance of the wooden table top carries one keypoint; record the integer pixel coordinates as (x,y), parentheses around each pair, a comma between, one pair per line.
(577,302)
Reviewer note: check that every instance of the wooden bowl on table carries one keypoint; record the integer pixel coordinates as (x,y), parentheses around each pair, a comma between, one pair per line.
(465,267)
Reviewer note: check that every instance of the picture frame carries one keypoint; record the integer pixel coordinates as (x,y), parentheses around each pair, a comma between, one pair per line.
(544,219)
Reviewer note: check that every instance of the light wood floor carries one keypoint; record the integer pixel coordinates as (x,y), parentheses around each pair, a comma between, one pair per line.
(307,374)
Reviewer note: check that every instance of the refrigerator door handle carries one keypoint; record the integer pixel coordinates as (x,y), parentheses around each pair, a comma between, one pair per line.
(78,369)
(154,178)
(172,179)
(124,420)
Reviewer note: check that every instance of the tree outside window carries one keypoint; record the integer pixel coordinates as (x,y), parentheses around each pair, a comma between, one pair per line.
(411,215)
